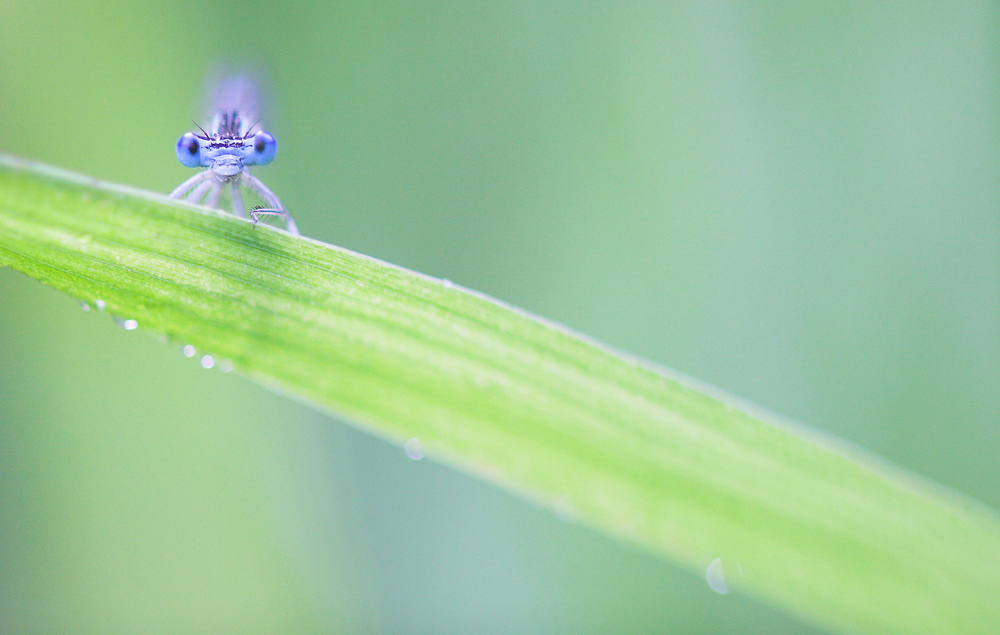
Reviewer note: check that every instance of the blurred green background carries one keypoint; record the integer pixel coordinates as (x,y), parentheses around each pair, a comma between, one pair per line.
(799,203)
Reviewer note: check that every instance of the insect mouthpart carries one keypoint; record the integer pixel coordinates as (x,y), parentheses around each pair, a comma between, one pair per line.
(227,166)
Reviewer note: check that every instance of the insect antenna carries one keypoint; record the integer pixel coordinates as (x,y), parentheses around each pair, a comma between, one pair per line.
(250,129)
(206,136)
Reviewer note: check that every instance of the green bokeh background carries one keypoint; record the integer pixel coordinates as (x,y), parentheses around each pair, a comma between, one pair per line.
(798,203)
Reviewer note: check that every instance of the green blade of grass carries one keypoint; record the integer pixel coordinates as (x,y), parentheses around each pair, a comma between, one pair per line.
(799,520)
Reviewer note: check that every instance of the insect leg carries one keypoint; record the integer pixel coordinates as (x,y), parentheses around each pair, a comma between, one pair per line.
(189,184)
(213,195)
(237,200)
(197,193)
(277,209)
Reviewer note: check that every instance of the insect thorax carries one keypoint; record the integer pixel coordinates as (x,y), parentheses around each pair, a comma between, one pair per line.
(230,125)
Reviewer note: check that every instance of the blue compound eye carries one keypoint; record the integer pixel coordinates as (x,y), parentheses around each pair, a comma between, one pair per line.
(264,148)
(189,150)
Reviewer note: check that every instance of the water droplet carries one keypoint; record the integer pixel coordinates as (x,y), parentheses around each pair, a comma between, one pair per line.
(716,577)
(564,510)
(445,282)
(226,366)
(413,449)
(207,361)
(85,307)
(128,325)
(188,351)
(100,304)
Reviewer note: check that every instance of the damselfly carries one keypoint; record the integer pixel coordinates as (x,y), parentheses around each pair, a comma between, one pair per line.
(232,143)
